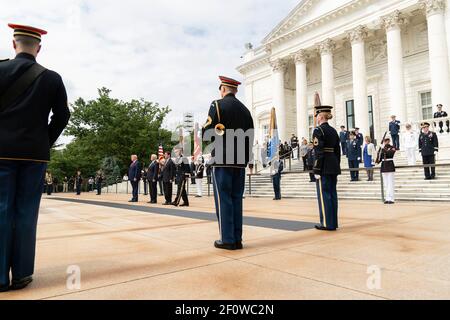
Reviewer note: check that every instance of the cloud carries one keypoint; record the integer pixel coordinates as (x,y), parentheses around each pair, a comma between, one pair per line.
(169,52)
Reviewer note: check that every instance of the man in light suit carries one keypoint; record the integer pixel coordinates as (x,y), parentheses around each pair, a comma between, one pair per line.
(134,176)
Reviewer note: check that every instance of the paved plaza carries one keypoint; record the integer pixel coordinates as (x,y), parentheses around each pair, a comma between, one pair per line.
(140,251)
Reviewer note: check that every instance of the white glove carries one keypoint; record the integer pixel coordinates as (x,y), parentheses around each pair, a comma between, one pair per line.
(317,176)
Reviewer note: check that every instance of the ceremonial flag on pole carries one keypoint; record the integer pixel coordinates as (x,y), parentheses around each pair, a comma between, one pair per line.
(317,103)
(160,152)
(274,142)
(197,147)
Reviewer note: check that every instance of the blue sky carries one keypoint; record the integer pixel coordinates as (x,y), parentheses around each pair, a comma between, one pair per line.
(169,52)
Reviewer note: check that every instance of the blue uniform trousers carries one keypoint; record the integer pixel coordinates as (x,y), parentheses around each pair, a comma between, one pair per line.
(328,201)
(20,196)
(229,187)
(276,180)
(396,141)
(354,164)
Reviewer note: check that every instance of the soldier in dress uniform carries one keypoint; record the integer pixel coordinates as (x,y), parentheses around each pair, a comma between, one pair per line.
(360,139)
(182,173)
(428,147)
(441,114)
(78,183)
(327,167)
(28,94)
(386,158)
(230,126)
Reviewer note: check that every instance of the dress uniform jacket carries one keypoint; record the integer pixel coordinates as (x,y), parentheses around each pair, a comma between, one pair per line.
(428,143)
(386,157)
(30,112)
(199,169)
(441,114)
(234,115)
(353,150)
(327,151)
(394,127)
(182,170)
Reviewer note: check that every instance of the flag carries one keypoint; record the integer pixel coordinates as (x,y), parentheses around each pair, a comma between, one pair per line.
(160,152)
(317,103)
(197,147)
(274,140)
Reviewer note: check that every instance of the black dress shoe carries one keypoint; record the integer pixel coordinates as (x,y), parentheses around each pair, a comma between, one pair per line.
(4,288)
(174,204)
(226,246)
(322,228)
(239,245)
(166,204)
(21,283)
(184,205)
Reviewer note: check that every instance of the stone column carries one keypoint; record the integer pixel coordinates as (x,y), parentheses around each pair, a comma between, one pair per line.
(438,50)
(392,24)
(357,38)
(326,49)
(250,107)
(300,59)
(279,98)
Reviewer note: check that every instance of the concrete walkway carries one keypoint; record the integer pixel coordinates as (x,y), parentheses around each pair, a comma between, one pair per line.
(136,252)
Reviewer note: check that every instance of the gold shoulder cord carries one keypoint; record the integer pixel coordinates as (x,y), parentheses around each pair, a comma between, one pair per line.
(218,111)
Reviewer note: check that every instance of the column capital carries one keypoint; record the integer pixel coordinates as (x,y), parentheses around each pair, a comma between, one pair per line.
(278,65)
(393,21)
(432,6)
(301,56)
(327,46)
(357,35)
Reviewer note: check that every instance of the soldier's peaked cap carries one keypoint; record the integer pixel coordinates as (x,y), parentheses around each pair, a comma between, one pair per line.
(320,109)
(228,82)
(425,124)
(21,30)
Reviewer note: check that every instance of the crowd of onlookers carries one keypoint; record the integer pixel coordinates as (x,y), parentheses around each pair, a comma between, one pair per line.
(75,183)
(362,151)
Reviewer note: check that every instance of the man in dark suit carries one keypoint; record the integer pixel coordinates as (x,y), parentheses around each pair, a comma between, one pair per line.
(230,127)
(29,93)
(134,176)
(168,176)
(152,177)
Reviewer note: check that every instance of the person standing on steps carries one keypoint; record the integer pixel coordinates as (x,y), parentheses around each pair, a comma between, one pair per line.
(386,158)
(410,139)
(428,147)
(369,155)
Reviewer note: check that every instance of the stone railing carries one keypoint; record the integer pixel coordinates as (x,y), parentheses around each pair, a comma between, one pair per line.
(438,125)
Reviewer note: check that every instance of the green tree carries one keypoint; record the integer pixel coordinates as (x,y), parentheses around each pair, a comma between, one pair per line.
(108,128)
